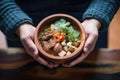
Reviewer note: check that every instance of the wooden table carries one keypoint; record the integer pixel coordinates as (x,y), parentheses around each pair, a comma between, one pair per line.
(102,64)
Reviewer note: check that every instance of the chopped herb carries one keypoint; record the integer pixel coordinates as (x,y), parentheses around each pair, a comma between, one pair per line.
(66,27)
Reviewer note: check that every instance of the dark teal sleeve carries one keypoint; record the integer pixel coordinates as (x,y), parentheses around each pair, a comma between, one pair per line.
(11,16)
(102,10)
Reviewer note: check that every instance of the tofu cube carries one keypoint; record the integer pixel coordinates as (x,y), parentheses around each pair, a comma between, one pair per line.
(62,53)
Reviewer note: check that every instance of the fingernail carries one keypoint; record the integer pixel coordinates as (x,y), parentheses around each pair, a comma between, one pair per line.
(85,50)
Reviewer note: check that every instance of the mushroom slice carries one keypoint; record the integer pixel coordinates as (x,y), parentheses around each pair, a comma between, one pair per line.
(76,44)
(52,42)
(71,49)
(45,45)
(57,48)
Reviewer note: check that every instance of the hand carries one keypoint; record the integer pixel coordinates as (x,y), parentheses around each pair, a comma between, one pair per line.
(26,33)
(91,27)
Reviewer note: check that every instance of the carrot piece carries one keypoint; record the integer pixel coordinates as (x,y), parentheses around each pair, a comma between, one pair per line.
(59,37)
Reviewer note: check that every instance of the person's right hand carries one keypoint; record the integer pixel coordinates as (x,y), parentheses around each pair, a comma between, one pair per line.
(26,34)
(91,27)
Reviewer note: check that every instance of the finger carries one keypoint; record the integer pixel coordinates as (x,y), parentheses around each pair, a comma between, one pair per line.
(32,50)
(90,43)
(56,65)
(44,62)
(29,46)
(75,61)
(47,63)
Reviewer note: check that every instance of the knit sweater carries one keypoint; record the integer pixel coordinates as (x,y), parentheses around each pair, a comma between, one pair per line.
(11,15)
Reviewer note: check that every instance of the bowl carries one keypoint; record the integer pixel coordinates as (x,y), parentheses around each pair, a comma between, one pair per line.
(44,24)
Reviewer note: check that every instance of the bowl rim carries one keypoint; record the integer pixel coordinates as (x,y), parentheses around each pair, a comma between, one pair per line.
(39,46)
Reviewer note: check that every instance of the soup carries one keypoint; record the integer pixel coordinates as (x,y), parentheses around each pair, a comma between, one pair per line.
(60,38)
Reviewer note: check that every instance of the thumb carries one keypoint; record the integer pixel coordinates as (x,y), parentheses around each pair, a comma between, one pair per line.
(30,46)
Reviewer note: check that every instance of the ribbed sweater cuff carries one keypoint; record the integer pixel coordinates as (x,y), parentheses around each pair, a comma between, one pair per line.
(11,17)
(104,20)
(103,11)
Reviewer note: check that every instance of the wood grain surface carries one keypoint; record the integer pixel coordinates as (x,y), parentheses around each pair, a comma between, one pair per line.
(102,64)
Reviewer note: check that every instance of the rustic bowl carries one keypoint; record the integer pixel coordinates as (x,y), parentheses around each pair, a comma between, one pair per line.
(51,19)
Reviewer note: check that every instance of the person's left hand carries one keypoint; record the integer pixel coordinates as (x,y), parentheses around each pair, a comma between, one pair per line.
(91,27)
(26,34)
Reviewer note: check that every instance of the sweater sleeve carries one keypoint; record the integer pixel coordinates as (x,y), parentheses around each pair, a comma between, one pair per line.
(11,16)
(102,10)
